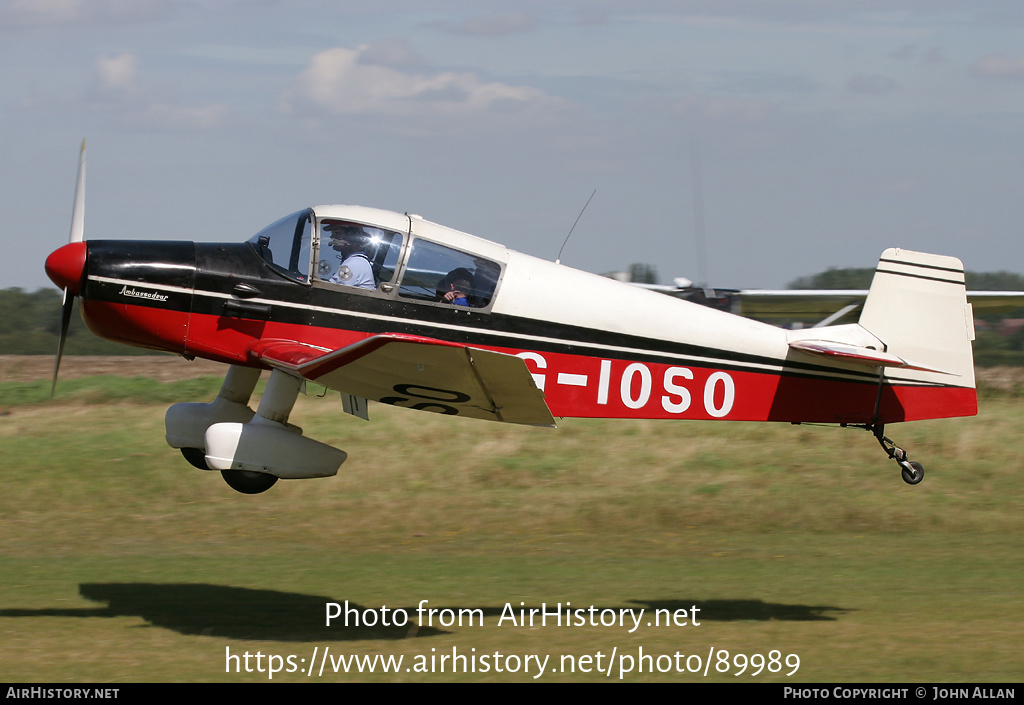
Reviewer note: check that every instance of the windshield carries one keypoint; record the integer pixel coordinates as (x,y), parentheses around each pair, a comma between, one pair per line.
(285,245)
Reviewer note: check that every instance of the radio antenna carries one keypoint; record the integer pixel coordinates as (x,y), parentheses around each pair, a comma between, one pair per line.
(559,260)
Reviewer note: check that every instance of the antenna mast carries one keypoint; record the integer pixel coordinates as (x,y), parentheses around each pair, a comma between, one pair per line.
(559,260)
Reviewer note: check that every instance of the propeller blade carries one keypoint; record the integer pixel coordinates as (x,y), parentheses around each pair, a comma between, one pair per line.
(66,266)
(78,212)
(65,320)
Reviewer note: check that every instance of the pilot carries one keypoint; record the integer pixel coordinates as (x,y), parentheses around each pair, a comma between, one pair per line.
(351,242)
(485,279)
(455,287)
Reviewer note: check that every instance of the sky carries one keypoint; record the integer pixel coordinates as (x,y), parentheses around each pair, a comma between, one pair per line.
(787,136)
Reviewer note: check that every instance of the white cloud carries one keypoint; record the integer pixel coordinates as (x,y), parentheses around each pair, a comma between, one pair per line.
(339,80)
(999,66)
(118,73)
(397,53)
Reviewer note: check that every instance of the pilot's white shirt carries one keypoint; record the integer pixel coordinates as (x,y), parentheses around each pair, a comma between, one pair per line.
(355,271)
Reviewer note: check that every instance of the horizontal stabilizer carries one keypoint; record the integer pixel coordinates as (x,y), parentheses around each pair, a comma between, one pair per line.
(858,355)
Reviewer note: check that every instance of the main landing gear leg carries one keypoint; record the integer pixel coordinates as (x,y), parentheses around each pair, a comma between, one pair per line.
(187,422)
(912,472)
(252,455)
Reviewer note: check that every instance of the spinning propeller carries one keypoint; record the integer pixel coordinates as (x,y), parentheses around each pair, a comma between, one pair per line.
(66,265)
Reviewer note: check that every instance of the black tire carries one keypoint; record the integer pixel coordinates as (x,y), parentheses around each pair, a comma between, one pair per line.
(915,476)
(196,456)
(248,482)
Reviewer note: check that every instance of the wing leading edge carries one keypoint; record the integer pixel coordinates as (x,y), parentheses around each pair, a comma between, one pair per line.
(419,373)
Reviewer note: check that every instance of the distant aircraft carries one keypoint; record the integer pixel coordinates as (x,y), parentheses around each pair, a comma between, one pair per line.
(449,323)
(824,307)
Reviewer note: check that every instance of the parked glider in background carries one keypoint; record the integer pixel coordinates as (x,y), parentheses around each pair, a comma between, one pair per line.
(390,307)
(817,307)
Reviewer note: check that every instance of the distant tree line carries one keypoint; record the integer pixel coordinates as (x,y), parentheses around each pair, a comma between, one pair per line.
(860,278)
(643,273)
(30,324)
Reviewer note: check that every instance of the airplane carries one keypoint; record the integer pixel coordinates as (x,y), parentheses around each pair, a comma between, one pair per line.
(798,307)
(449,323)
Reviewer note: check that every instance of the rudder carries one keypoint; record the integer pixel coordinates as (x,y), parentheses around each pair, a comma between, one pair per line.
(917,306)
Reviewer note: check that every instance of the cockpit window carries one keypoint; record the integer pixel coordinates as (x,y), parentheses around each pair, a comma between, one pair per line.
(285,245)
(445,275)
(357,255)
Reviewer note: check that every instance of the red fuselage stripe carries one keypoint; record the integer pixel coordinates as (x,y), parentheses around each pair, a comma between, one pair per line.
(575,385)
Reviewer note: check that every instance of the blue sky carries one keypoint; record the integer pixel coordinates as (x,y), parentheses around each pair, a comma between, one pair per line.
(826,130)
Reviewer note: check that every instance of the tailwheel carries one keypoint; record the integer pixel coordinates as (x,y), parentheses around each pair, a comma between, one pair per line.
(912,472)
(247,481)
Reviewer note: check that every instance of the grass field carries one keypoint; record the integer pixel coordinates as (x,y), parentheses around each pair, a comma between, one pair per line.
(120,562)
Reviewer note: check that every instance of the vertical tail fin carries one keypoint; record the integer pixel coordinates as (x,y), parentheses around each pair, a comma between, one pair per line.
(917,306)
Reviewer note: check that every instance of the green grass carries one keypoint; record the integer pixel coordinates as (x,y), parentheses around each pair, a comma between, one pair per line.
(103,389)
(122,563)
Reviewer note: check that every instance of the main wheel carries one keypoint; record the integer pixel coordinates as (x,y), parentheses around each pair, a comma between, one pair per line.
(248,482)
(913,474)
(196,456)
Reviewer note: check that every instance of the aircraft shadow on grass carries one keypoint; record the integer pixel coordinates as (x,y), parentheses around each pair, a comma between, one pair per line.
(271,615)
(745,610)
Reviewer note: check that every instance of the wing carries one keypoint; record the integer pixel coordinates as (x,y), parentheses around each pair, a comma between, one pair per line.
(823,306)
(985,302)
(419,373)
(835,305)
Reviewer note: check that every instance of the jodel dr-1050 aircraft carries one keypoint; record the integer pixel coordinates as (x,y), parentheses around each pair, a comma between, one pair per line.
(390,307)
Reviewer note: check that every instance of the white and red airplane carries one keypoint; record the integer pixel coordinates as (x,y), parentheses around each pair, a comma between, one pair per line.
(390,307)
